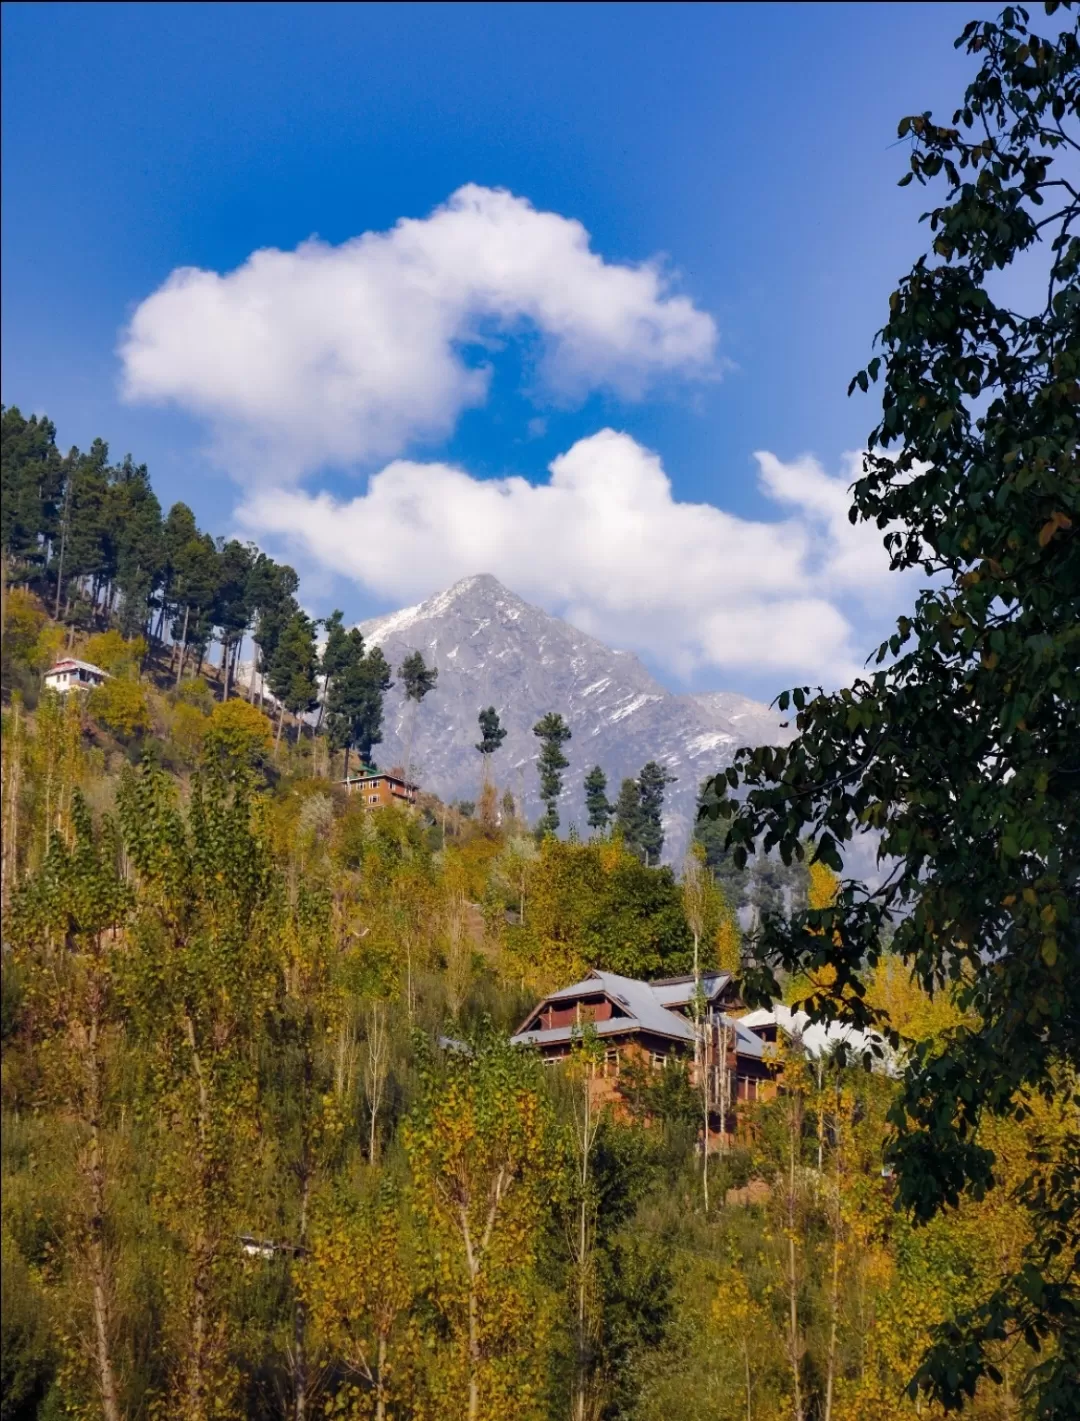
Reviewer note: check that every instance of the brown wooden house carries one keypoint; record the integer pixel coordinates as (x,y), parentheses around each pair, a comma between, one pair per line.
(652,1021)
(377,789)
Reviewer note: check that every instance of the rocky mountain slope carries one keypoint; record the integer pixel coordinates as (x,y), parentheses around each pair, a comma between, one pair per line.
(492,648)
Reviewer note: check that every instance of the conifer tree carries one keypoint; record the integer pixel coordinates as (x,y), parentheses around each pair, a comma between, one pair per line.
(652,781)
(596,800)
(492,736)
(293,670)
(417,679)
(553,733)
(627,811)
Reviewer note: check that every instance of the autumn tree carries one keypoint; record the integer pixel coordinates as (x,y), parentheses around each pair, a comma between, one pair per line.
(480,1155)
(66,927)
(959,749)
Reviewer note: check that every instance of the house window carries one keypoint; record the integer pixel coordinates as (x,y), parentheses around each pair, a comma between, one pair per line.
(611,1061)
(657,1059)
(748,1088)
(373,799)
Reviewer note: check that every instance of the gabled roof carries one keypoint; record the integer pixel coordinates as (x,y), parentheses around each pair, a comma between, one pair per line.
(72,663)
(815,1037)
(648,1006)
(679,991)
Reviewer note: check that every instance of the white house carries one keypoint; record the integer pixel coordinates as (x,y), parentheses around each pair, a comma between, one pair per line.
(817,1039)
(73,675)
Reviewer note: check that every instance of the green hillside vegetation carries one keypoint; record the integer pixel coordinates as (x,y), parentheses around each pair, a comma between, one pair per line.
(267,1150)
(242,1177)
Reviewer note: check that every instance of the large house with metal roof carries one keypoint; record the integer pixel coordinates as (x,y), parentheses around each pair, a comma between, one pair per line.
(653,1021)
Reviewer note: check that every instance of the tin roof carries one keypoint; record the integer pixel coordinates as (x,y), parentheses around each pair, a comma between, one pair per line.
(72,663)
(646,1007)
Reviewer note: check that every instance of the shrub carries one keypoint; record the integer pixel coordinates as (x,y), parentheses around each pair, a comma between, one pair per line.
(122,706)
(114,653)
(238,738)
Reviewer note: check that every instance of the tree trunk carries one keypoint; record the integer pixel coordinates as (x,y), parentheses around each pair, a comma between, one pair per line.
(280,723)
(183,644)
(793,1339)
(226,650)
(99,1271)
(63,543)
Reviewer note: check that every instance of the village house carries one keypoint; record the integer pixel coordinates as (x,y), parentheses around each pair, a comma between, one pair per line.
(652,1022)
(71,674)
(377,789)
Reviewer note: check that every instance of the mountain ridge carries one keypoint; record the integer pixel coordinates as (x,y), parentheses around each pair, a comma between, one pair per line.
(491,647)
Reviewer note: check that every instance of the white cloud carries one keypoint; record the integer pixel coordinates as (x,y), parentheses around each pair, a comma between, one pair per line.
(605,543)
(333,355)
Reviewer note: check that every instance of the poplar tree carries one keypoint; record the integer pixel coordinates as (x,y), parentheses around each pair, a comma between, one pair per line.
(553,733)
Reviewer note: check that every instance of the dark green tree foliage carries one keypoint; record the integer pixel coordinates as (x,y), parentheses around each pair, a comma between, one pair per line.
(271,592)
(961,749)
(292,672)
(232,608)
(417,679)
(652,782)
(553,733)
(137,550)
(628,814)
(355,697)
(31,486)
(492,733)
(598,809)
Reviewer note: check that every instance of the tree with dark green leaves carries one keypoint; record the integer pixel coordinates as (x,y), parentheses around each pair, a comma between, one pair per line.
(194,570)
(417,679)
(596,801)
(232,607)
(134,517)
(492,736)
(355,698)
(961,747)
(627,815)
(31,488)
(293,670)
(271,591)
(652,782)
(553,733)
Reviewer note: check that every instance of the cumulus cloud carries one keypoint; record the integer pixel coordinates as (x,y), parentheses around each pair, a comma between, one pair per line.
(334,355)
(605,543)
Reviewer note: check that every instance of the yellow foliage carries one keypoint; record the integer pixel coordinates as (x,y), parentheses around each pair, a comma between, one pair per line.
(912,1011)
(121,705)
(823,886)
(23,621)
(114,653)
(48,647)
(238,735)
(189,727)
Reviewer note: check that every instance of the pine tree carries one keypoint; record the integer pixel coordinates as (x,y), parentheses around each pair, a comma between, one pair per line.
(417,680)
(293,670)
(553,733)
(596,800)
(492,736)
(652,782)
(628,820)
(272,593)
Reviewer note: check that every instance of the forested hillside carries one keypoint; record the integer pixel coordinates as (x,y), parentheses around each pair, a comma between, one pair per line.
(268,1149)
(243,1174)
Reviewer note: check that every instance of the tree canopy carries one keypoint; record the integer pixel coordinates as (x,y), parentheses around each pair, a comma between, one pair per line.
(960,748)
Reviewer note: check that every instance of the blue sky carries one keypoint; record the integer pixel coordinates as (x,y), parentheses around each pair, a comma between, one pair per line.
(749,149)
